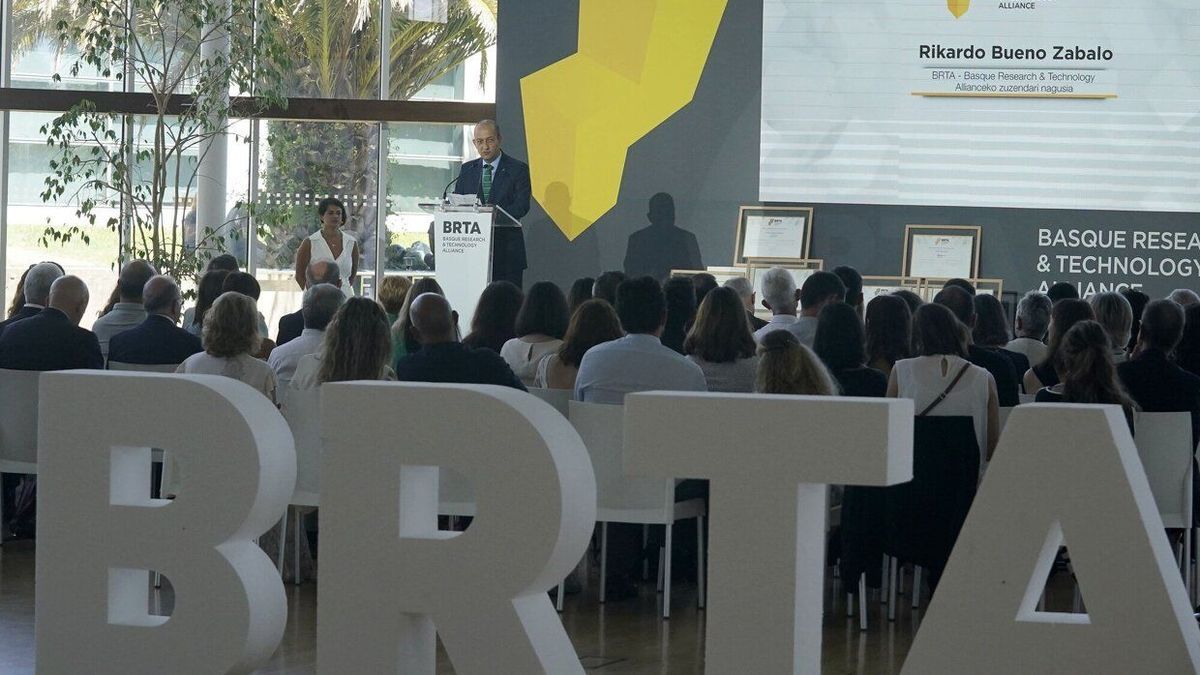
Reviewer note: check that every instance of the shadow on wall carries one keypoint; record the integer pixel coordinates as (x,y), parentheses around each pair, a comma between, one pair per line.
(662,246)
(581,256)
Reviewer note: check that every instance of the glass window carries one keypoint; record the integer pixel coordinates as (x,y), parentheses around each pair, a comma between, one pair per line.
(442,49)
(422,160)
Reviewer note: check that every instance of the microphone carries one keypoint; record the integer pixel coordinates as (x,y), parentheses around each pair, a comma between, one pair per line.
(454,180)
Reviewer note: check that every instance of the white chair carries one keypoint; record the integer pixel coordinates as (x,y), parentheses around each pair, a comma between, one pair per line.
(628,499)
(1027,398)
(1164,442)
(144,367)
(302,411)
(559,399)
(18,422)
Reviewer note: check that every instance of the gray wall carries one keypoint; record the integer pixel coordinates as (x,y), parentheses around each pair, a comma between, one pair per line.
(706,156)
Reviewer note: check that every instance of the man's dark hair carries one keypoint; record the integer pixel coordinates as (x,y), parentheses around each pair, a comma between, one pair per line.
(703,283)
(853,282)
(544,311)
(1062,291)
(960,283)
(957,301)
(820,287)
(133,279)
(641,305)
(1137,302)
(606,286)
(242,282)
(225,261)
(1162,325)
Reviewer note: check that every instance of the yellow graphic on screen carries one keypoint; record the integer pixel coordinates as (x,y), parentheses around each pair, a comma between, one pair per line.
(639,62)
(958,7)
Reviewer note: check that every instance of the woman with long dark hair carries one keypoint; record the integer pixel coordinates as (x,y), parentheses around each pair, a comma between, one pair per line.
(495,320)
(720,342)
(839,343)
(357,346)
(1066,313)
(1088,374)
(888,329)
(593,323)
(541,325)
(210,288)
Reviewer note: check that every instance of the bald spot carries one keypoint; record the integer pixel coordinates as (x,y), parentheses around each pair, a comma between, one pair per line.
(159,294)
(432,318)
(69,295)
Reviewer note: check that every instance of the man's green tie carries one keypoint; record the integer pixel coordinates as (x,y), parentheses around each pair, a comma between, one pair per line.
(487,182)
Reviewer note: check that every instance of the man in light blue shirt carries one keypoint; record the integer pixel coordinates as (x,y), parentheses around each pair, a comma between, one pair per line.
(127,312)
(638,361)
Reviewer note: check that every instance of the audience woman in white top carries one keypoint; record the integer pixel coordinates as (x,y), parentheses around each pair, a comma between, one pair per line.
(230,338)
(540,326)
(594,322)
(321,302)
(1033,320)
(942,349)
(357,346)
(330,243)
(720,343)
(638,361)
(1115,315)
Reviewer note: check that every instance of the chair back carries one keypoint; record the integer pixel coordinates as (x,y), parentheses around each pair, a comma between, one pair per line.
(19,420)
(1164,442)
(559,399)
(144,367)
(619,497)
(1004,413)
(1027,398)
(302,410)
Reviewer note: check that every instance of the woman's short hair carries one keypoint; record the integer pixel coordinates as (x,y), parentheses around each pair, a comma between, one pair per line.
(889,329)
(595,322)
(242,282)
(939,332)
(544,311)
(356,344)
(1115,314)
(324,204)
(231,326)
(839,339)
(393,291)
(721,333)
(991,326)
(787,367)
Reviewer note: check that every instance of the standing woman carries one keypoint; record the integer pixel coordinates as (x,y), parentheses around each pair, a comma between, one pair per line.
(331,244)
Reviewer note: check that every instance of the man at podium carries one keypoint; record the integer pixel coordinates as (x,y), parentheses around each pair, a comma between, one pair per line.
(500,180)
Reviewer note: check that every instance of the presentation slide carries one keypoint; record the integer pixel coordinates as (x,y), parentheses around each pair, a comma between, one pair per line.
(1060,104)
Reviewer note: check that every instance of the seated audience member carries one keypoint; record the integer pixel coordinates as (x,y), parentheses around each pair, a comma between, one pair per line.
(785,366)
(1184,297)
(1088,375)
(991,333)
(157,341)
(1154,383)
(638,361)
(231,338)
(404,340)
(18,299)
(320,272)
(853,283)
(495,320)
(961,283)
(355,345)
(1066,313)
(113,298)
(1062,291)
(442,358)
(839,344)
(1187,353)
(1033,320)
(720,343)
(1004,373)
(681,311)
(581,292)
(606,286)
(703,284)
(321,302)
(780,295)
(36,291)
(247,285)
(888,327)
(914,303)
(207,292)
(745,290)
(541,325)
(128,311)
(819,289)
(593,323)
(941,381)
(392,293)
(1114,313)
(1137,302)
(52,339)
(225,261)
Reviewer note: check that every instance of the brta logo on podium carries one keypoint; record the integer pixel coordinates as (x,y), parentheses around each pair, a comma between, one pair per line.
(958,7)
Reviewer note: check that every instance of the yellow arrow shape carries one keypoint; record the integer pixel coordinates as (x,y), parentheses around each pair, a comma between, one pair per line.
(639,62)
(958,7)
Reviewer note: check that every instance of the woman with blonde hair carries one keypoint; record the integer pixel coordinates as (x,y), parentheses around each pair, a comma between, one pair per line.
(1114,314)
(787,367)
(392,294)
(230,338)
(357,346)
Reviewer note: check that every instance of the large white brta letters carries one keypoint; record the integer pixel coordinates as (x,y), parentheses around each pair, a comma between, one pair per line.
(770,460)
(388,576)
(1061,472)
(99,531)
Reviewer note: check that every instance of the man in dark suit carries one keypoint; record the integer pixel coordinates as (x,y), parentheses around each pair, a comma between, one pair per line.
(501,180)
(320,272)
(442,358)
(1003,372)
(158,340)
(37,291)
(1156,384)
(655,250)
(53,340)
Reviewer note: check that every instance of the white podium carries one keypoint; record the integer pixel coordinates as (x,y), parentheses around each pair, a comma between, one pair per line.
(462,252)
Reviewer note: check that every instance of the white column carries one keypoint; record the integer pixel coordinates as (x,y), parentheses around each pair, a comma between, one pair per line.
(5,81)
(212,171)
